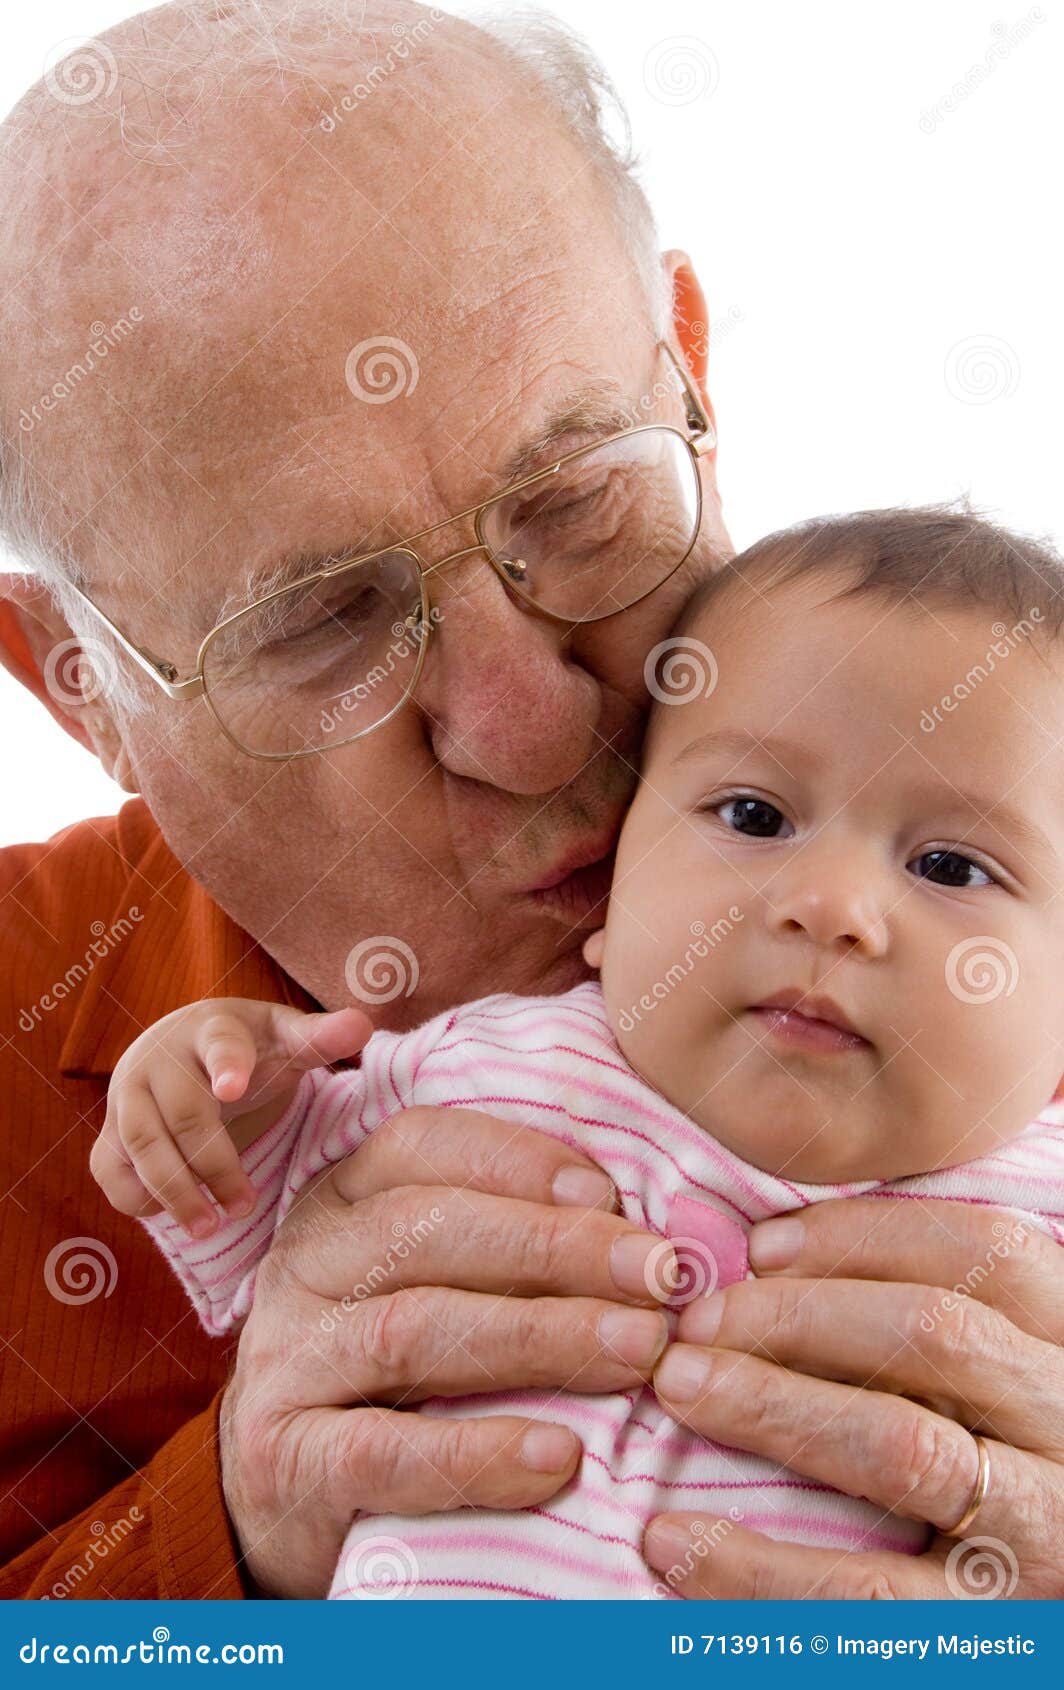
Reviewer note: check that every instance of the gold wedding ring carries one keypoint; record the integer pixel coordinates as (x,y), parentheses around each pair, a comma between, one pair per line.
(979,1490)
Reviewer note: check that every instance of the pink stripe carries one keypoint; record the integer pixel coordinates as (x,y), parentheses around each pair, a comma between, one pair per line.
(485,1543)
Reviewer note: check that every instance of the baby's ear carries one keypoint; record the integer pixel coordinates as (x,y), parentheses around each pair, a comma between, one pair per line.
(595,944)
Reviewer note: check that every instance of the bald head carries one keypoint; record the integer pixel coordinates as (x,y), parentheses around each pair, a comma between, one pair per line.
(211,205)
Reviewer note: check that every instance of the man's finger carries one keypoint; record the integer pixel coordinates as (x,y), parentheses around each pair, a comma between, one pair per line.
(896,1453)
(422,1235)
(417,1464)
(913,1340)
(703,1556)
(434,1342)
(464,1148)
(993,1255)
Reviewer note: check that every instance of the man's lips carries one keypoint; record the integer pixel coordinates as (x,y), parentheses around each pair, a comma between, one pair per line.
(580,880)
(811,1023)
(578,857)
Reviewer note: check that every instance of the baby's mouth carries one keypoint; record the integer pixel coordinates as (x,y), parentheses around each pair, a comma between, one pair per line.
(809,1023)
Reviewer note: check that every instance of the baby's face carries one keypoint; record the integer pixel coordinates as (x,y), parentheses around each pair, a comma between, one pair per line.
(836,932)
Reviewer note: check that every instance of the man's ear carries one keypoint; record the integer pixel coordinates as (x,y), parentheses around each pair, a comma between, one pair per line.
(690,316)
(594,945)
(39,649)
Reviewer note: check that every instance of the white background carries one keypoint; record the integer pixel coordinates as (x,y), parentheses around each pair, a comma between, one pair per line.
(884,270)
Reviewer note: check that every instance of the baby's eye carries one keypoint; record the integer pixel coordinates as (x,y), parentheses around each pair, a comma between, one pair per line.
(755,817)
(949,868)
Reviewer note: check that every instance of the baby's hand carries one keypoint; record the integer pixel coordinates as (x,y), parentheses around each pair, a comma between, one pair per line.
(195,1088)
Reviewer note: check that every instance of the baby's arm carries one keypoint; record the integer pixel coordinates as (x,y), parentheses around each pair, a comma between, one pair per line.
(197,1088)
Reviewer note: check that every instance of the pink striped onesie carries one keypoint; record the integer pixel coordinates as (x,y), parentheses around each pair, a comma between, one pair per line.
(553,1064)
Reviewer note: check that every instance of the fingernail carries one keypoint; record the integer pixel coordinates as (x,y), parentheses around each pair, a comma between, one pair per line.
(548,1449)
(701,1319)
(226,1078)
(667,1541)
(636,1266)
(203,1227)
(683,1375)
(582,1188)
(239,1207)
(635,1336)
(775,1244)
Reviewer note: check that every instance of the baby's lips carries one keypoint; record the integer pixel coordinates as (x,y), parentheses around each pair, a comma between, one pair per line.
(723,1241)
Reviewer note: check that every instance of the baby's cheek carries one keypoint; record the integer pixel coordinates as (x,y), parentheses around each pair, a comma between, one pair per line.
(996,1049)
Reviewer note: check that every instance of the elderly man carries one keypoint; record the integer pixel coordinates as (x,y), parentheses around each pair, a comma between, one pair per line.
(353,437)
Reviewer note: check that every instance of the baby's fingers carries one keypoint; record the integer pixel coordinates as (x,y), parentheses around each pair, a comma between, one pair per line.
(194,1125)
(226,1046)
(117,1178)
(157,1164)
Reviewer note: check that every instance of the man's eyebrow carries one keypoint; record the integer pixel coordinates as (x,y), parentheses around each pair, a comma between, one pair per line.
(737,742)
(596,410)
(599,409)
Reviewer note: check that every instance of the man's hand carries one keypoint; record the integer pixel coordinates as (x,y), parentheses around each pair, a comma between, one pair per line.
(876,1332)
(513,1274)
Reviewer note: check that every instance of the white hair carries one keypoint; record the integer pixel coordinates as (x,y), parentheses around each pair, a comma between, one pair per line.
(216,44)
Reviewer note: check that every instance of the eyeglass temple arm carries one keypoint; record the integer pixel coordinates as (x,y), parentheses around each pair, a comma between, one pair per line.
(160,670)
(698,418)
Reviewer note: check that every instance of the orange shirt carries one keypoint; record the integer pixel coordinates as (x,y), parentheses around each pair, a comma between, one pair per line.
(109,1478)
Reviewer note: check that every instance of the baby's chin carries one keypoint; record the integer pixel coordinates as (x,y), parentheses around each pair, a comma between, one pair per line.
(781,1129)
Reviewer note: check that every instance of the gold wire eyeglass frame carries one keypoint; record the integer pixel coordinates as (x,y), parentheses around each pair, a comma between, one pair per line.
(700,438)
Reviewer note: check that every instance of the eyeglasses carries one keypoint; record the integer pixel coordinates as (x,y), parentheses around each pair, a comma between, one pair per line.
(333,656)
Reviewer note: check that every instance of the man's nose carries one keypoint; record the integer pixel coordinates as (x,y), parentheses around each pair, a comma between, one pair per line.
(833,896)
(503,701)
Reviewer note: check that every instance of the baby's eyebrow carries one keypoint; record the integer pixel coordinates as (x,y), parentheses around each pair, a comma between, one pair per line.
(738,742)
(1003,818)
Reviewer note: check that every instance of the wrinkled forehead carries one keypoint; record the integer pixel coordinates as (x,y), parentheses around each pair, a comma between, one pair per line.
(432,239)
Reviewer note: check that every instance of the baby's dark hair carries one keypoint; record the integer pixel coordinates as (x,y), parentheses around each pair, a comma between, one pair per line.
(927,555)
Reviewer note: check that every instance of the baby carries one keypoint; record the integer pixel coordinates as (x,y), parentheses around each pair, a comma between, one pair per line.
(830,966)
